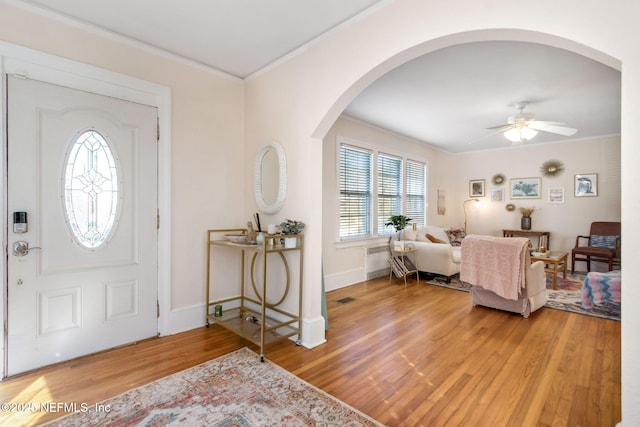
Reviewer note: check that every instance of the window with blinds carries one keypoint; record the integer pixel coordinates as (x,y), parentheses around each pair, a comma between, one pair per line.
(416,191)
(355,192)
(375,186)
(389,191)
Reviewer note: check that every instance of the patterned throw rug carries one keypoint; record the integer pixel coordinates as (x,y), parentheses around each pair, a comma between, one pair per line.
(567,297)
(235,390)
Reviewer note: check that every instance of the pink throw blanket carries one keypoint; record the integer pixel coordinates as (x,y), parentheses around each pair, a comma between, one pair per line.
(495,263)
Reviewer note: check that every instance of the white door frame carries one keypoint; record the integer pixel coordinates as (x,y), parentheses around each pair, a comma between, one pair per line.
(17,60)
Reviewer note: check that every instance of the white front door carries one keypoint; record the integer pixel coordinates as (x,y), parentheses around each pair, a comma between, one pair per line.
(83,167)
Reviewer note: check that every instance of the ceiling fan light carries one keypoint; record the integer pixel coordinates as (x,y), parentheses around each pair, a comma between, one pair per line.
(520,134)
(527,133)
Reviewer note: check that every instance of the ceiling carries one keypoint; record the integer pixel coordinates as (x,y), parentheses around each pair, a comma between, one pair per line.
(447,98)
(238,37)
(450,97)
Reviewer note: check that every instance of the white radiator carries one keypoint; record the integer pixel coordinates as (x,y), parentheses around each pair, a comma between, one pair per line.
(375,261)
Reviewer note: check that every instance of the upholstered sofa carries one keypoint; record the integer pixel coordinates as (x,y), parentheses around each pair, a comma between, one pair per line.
(435,252)
(501,274)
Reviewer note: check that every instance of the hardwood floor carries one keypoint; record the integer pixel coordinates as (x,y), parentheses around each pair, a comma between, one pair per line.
(406,357)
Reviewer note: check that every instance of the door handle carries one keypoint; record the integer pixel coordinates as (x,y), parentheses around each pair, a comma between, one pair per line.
(21,248)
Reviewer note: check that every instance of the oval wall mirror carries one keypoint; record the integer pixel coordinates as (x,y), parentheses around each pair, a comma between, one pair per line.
(270,178)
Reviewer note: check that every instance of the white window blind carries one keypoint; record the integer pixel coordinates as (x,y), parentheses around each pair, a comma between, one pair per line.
(374,186)
(416,192)
(355,192)
(389,190)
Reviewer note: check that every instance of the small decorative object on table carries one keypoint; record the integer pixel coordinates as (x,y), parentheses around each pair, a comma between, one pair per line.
(539,254)
(543,245)
(398,245)
(525,221)
(291,227)
(251,233)
(218,311)
(236,238)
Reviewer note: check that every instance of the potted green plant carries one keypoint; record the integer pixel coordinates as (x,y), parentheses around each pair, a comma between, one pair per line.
(399,222)
(290,227)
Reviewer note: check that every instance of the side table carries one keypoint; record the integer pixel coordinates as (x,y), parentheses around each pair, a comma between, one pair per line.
(402,266)
(544,237)
(557,260)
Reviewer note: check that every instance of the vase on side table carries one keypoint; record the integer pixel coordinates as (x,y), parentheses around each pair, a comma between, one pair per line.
(525,223)
(290,242)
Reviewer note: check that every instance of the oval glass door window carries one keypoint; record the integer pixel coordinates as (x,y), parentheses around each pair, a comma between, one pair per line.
(90,190)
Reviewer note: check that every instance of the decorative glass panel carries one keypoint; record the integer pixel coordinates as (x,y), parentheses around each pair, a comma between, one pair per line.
(91,190)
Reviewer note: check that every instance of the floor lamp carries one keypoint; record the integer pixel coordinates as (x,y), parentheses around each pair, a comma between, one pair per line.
(464,208)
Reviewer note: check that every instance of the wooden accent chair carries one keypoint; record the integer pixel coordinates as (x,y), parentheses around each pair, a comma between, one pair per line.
(603,245)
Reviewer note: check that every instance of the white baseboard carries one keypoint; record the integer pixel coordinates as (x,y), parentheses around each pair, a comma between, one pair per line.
(186,318)
(343,279)
(313,332)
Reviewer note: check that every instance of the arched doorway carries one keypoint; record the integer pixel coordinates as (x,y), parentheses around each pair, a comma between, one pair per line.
(398,60)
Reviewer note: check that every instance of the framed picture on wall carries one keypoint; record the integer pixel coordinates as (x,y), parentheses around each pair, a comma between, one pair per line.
(556,195)
(525,188)
(476,188)
(497,195)
(442,202)
(586,185)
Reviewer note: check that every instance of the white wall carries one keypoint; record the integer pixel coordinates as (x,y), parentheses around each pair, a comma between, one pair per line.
(564,221)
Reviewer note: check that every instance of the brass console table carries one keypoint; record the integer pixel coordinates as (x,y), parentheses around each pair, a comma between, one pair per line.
(253,318)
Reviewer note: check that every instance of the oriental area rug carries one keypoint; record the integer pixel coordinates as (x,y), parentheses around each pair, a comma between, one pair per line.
(235,390)
(567,297)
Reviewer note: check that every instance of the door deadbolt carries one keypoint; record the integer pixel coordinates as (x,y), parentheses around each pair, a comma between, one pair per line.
(21,248)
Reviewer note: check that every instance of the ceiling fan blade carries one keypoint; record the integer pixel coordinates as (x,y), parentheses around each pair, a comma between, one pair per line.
(495,132)
(546,122)
(552,127)
(502,127)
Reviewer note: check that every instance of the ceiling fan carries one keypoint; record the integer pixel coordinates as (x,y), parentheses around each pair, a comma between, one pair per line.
(523,127)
